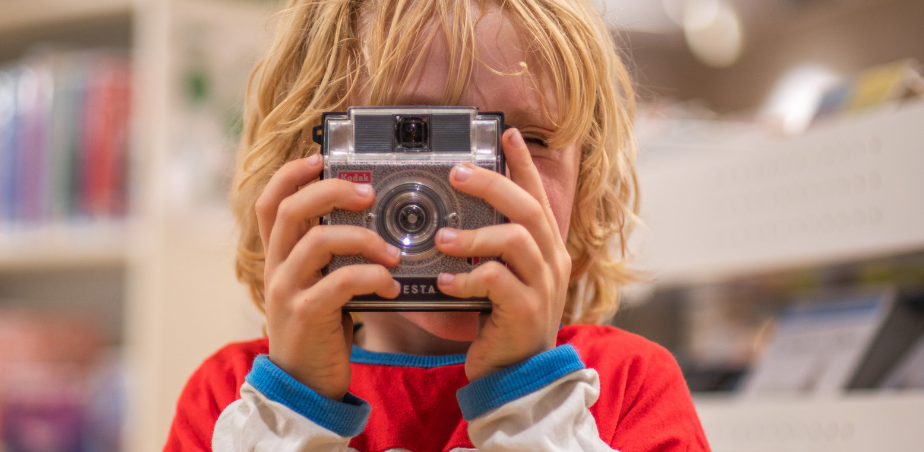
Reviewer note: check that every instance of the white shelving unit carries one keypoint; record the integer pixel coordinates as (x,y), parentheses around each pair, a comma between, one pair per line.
(64,245)
(856,422)
(174,258)
(845,191)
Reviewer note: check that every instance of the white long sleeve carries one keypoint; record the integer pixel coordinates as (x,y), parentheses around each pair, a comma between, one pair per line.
(277,413)
(255,423)
(554,418)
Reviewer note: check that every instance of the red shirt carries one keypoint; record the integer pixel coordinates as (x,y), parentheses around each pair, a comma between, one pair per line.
(644,403)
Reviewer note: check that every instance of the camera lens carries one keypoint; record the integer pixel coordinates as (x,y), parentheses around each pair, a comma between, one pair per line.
(412,132)
(412,218)
(409,216)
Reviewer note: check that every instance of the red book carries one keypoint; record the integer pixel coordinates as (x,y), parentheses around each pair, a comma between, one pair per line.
(105,137)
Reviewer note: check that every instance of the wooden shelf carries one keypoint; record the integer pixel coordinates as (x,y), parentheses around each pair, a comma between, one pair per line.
(64,245)
(31,14)
(889,420)
(87,24)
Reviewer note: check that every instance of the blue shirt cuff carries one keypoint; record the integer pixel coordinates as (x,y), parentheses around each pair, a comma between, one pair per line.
(346,418)
(494,390)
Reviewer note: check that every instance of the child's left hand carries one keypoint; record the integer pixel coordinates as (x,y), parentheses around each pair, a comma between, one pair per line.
(528,294)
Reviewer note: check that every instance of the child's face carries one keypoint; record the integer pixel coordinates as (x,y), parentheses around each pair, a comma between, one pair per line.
(500,48)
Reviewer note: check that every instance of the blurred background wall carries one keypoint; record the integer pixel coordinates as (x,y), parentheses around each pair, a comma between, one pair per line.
(780,161)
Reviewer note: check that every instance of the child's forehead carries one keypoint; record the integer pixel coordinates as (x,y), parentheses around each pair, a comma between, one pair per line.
(503,76)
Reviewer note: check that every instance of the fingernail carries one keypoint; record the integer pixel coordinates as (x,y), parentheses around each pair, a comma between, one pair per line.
(516,139)
(392,250)
(397,286)
(313,160)
(446,278)
(363,189)
(447,235)
(461,172)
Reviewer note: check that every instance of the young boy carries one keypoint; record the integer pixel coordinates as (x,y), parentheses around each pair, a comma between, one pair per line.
(512,379)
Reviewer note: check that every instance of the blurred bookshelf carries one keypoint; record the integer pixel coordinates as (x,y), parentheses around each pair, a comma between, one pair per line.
(769,224)
(64,157)
(118,126)
(64,101)
(765,251)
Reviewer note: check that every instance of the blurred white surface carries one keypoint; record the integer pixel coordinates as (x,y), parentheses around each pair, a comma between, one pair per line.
(844,190)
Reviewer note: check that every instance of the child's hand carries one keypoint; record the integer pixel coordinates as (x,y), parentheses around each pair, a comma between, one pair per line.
(528,295)
(309,336)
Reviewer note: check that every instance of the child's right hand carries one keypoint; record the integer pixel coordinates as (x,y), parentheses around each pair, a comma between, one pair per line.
(310,337)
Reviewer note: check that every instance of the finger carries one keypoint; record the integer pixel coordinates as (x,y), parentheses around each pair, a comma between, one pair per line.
(524,173)
(509,199)
(337,288)
(316,248)
(483,318)
(491,280)
(313,201)
(283,184)
(520,163)
(346,321)
(510,242)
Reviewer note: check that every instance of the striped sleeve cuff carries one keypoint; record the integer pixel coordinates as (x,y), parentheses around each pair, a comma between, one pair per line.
(346,418)
(494,390)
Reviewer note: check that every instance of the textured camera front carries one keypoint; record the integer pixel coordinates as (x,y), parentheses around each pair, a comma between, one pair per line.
(451,133)
(473,212)
(373,133)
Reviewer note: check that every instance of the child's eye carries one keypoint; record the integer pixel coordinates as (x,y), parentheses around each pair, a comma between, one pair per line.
(537,141)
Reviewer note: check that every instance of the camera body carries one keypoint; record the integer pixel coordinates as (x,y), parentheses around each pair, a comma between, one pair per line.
(406,154)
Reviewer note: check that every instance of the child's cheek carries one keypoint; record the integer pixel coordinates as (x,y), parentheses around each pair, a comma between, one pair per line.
(560,185)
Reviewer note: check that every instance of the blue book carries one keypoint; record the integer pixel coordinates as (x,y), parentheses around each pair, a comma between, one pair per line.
(8,143)
(820,343)
(64,138)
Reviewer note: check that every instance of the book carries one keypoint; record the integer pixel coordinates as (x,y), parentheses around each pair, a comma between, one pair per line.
(820,343)
(7,141)
(896,335)
(105,137)
(872,87)
(909,373)
(59,389)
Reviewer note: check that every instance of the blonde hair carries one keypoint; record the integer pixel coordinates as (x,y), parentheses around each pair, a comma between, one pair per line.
(326,51)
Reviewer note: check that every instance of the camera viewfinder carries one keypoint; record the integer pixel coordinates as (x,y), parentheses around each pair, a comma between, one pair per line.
(412,132)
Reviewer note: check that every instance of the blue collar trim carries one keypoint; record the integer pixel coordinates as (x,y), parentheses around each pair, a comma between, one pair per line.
(361,356)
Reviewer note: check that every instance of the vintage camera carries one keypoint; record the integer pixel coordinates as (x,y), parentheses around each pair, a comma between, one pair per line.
(406,154)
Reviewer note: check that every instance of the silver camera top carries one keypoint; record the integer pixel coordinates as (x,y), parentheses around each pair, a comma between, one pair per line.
(456,134)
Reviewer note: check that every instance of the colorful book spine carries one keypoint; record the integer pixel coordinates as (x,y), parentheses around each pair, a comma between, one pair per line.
(64,137)
(8,141)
